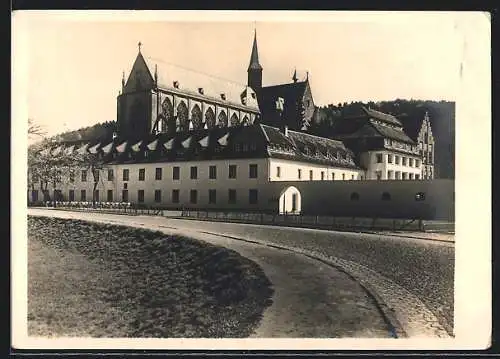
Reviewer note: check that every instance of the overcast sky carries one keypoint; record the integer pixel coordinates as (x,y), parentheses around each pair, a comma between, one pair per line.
(75,63)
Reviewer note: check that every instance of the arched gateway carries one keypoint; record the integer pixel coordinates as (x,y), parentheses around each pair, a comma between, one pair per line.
(290,201)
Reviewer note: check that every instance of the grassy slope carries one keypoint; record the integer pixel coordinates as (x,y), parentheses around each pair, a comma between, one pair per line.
(89,279)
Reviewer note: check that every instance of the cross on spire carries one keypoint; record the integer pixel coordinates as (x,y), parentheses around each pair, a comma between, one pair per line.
(139,45)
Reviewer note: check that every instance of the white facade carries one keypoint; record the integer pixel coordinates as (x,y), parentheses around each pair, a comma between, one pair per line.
(384,165)
(286,170)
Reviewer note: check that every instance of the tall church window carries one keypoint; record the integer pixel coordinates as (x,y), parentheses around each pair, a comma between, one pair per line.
(167,114)
(210,118)
(234,120)
(196,117)
(182,117)
(222,119)
(245,121)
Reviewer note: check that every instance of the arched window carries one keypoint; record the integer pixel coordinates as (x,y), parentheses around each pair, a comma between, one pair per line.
(234,120)
(222,119)
(182,117)
(386,196)
(354,196)
(245,121)
(196,117)
(167,114)
(210,118)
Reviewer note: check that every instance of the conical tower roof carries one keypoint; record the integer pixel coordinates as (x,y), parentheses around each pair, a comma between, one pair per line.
(254,57)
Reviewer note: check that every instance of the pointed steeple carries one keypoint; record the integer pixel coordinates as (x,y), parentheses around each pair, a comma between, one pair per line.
(254,57)
(254,68)
(294,77)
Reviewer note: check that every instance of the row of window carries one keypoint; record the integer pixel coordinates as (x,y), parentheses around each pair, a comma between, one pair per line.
(212,173)
(253,196)
(176,173)
(399,175)
(405,161)
(311,174)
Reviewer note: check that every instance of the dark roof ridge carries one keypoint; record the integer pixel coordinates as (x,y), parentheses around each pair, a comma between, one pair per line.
(285,84)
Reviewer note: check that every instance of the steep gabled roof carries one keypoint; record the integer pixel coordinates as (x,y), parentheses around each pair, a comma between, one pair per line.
(381,116)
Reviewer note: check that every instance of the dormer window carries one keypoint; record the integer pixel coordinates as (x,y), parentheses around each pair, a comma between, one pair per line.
(244,100)
(200,90)
(176,84)
(223,96)
(253,94)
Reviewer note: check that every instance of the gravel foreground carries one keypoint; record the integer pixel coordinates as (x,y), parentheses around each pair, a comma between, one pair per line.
(99,280)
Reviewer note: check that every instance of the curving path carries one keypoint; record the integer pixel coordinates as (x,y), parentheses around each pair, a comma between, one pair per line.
(312,298)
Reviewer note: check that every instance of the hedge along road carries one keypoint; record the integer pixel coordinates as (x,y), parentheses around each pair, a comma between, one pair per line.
(421,272)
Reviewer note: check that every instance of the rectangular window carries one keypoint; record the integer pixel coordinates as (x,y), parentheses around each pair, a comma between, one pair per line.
(278,171)
(379,158)
(193,196)
(142,174)
(411,175)
(140,196)
(71,195)
(176,173)
(110,195)
(343,176)
(175,196)
(417,163)
(111,175)
(396,160)
(410,162)
(333,176)
(71,177)
(252,171)
(126,174)
(158,174)
(231,195)
(212,172)
(311,175)
(212,196)
(389,158)
(84,175)
(294,202)
(232,171)
(322,175)
(125,195)
(83,195)
(157,195)
(253,196)
(194,172)
(405,175)
(389,175)
(417,176)
(403,161)
(379,175)
(352,177)
(96,195)
(299,173)
(398,175)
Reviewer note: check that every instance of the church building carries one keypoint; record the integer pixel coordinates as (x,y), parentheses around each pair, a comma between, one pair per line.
(188,140)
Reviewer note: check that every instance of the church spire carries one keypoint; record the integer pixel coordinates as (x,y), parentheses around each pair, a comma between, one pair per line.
(254,68)
(294,77)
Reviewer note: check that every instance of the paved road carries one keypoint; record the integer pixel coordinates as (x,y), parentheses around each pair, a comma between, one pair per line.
(424,268)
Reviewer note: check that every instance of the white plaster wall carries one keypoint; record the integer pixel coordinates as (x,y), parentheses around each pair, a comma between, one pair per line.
(289,171)
(369,161)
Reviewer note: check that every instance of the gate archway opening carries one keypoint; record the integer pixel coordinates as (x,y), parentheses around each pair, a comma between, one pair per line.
(290,201)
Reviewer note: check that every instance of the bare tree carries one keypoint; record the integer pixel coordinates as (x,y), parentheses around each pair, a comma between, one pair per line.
(35,130)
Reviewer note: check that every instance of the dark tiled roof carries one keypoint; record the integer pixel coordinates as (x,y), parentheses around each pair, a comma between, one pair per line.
(291,93)
(220,143)
(370,129)
(381,116)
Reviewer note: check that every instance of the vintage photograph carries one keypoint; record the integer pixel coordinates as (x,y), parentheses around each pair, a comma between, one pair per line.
(232,178)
